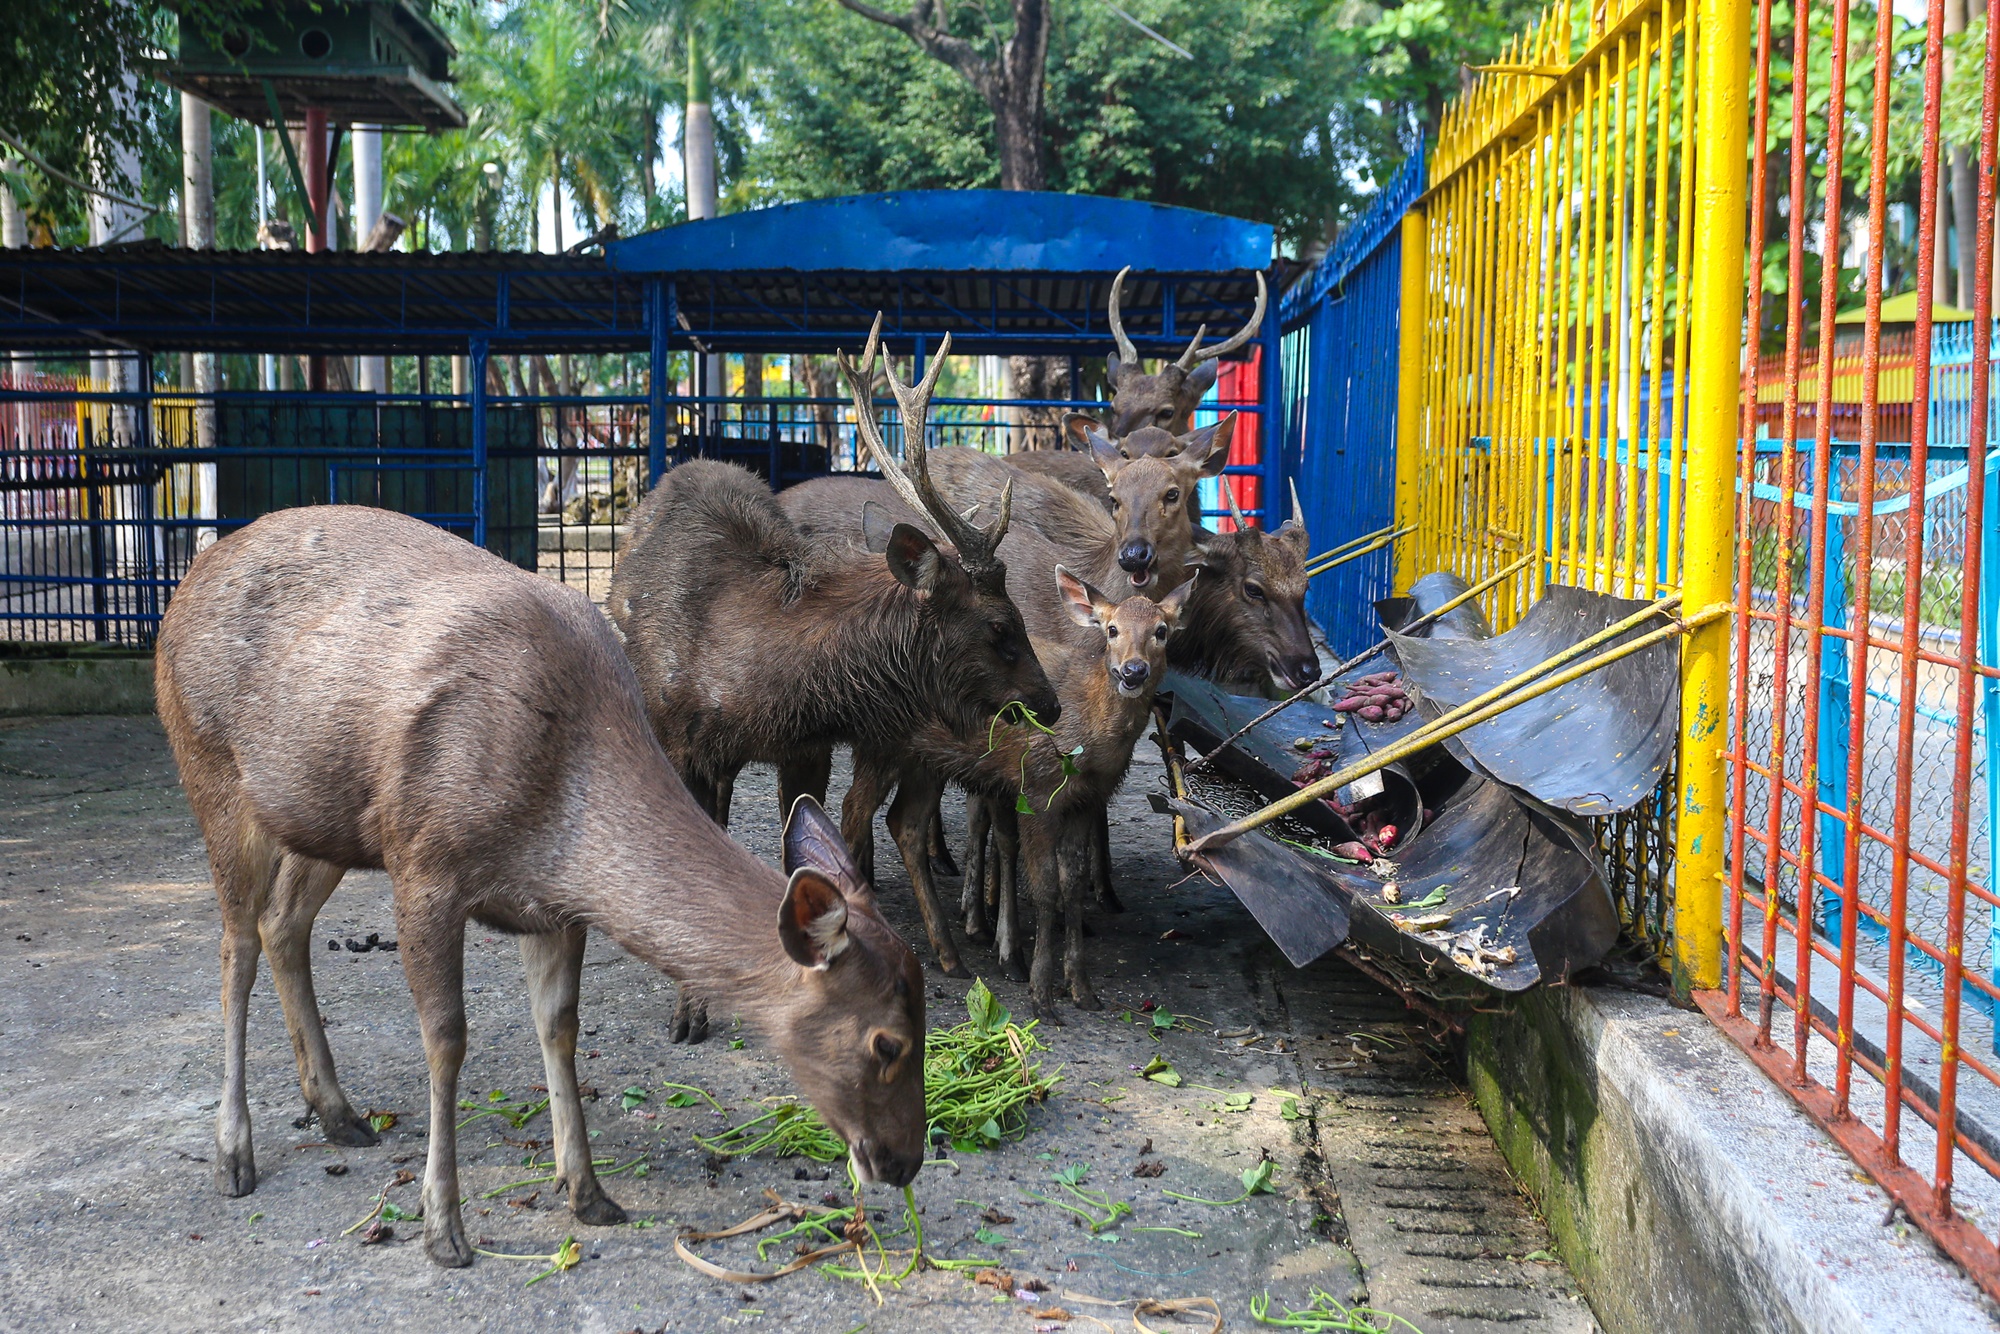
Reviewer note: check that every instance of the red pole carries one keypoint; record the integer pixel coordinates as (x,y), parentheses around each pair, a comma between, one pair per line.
(316,183)
(316,179)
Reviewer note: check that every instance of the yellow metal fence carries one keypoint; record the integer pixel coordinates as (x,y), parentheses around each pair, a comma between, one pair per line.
(1573,317)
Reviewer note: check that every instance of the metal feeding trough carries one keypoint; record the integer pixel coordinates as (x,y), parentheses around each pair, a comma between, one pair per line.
(1491,881)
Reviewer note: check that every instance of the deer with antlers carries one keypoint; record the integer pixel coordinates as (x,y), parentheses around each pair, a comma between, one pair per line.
(753,643)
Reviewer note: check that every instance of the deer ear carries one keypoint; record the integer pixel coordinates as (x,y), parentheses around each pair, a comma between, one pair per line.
(1085,605)
(1113,368)
(1077,427)
(1172,604)
(812,921)
(1105,453)
(1199,381)
(813,843)
(876,526)
(1209,446)
(913,558)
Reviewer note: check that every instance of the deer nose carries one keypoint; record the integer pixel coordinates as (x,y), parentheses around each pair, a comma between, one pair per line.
(1135,557)
(1132,675)
(1046,708)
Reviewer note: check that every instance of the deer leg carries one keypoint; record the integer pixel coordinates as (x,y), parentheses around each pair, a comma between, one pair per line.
(972,896)
(865,792)
(724,787)
(1073,865)
(433,950)
(802,776)
(1044,885)
(1004,874)
(705,792)
(1100,861)
(690,1021)
(554,963)
(909,825)
(243,878)
(941,862)
(303,886)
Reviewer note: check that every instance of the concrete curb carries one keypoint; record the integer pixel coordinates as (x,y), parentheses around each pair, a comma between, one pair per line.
(1688,1192)
(71,679)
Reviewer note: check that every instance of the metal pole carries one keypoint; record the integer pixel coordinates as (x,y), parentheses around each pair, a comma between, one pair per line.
(1722,75)
(1271,424)
(477,352)
(1410,317)
(659,316)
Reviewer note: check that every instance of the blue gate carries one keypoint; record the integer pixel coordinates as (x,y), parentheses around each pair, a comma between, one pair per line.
(1339,401)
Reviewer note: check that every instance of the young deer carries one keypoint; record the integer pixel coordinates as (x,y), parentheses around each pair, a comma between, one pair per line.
(1107,660)
(345,687)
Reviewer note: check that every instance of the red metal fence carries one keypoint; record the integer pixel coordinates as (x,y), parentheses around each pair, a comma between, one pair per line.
(1861,847)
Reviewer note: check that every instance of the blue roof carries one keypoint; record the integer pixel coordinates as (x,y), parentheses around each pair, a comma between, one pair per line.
(945,231)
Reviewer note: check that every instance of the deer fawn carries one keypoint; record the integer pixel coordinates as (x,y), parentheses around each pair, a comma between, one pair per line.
(345,687)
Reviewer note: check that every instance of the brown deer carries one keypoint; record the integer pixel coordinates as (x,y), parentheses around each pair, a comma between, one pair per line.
(345,687)
(1249,629)
(1168,398)
(753,644)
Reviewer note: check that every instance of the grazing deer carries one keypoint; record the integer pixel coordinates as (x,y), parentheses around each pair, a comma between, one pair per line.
(345,687)
(752,643)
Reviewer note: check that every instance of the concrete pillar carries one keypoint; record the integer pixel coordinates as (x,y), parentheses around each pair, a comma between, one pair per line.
(198,233)
(372,372)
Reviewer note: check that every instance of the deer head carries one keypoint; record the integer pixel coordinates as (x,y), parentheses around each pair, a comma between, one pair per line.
(1152,477)
(988,660)
(1254,599)
(966,599)
(855,1036)
(1135,631)
(1166,399)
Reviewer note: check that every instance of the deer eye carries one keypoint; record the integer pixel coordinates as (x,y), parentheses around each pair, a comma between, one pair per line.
(1173,496)
(1111,632)
(1160,633)
(1163,415)
(1255,592)
(1004,644)
(887,1050)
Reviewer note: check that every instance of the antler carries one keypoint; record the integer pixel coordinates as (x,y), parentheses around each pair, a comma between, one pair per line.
(1235,511)
(1298,510)
(1196,353)
(978,548)
(1126,352)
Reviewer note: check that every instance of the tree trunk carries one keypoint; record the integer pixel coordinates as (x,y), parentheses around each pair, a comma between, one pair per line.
(698,137)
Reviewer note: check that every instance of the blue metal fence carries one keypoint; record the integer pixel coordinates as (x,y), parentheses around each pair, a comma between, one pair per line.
(1339,330)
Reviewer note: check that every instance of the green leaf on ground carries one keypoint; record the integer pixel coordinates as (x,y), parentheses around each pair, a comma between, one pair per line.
(986,1236)
(633,1096)
(1161,1071)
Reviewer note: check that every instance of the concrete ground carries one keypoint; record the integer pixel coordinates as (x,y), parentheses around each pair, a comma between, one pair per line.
(1387,1187)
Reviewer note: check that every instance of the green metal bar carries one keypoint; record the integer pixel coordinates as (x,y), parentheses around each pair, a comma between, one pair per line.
(291,153)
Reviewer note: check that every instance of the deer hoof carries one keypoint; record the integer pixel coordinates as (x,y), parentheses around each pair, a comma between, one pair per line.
(955,968)
(1107,899)
(1048,1014)
(235,1175)
(349,1131)
(942,864)
(690,1021)
(447,1246)
(975,929)
(597,1209)
(1085,999)
(1016,971)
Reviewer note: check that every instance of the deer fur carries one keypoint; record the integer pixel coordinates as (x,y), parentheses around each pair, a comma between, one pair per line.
(345,687)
